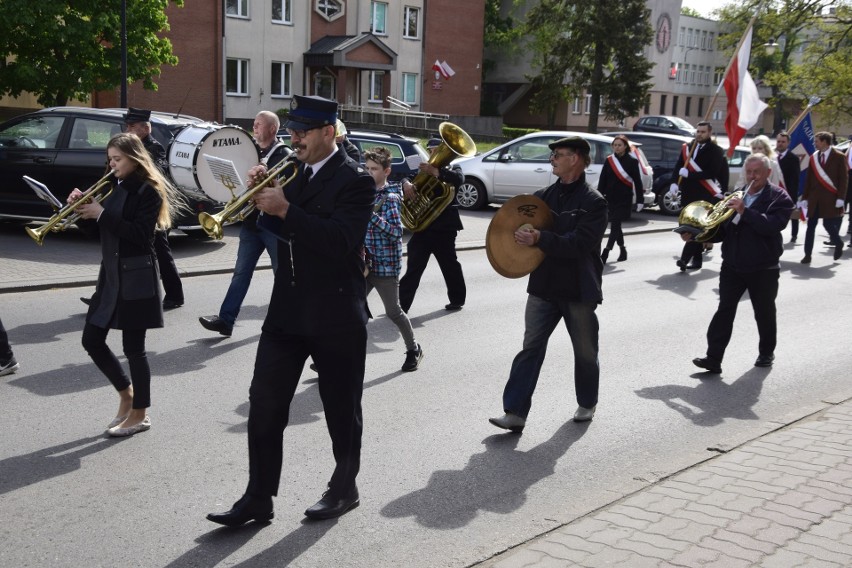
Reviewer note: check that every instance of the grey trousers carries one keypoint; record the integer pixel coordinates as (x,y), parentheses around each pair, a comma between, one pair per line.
(388,289)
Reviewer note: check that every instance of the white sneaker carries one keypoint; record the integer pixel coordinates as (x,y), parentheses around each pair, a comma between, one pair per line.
(511,422)
(584,414)
(9,367)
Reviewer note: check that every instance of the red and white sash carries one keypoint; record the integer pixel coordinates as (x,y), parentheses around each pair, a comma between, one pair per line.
(711,185)
(821,175)
(619,171)
(648,171)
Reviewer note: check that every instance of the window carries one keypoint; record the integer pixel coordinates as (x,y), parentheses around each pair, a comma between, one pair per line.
(38,132)
(412,23)
(282,11)
(717,75)
(674,105)
(329,9)
(700,106)
(324,86)
(680,36)
(662,104)
(237,8)
(282,74)
(576,108)
(718,114)
(409,88)
(704,40)
(90,133)
(378,18)
(712,41)
(376,82)
(689,38)
(236,76)
(688,106)
(588,105)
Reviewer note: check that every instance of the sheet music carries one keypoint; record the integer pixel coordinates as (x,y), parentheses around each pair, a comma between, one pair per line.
(43,192)
(413,161)
(225,173)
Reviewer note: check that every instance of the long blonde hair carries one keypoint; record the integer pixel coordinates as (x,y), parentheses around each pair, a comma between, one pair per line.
(131,146)
(766,149)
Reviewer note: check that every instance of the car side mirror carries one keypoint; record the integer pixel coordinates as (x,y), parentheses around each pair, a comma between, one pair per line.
(505,157)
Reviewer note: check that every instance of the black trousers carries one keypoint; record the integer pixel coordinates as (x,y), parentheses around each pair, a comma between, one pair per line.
(277,370)
(168,271)
(616,234)
(762,287)
(442,244)
(692,251)
(133,343)
(5,348)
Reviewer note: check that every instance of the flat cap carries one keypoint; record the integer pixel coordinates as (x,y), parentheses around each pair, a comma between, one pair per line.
(137,115)
(574,142)
(311,112)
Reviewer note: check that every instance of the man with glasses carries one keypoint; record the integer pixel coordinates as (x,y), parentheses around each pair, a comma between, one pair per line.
(318,309)
(565,286)
(253,240)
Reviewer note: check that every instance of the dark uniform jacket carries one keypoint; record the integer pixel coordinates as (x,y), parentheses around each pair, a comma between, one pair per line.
(711,160)
(572,267)
(449,219)
(157,153)
(319,286)
(128,292)
(790,169)
(619,197)
(755,242)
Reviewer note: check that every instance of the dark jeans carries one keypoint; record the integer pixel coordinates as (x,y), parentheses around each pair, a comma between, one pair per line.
(133,343)
(831,225)
(692,251)
(168,271)
(443,245)
(277,370)
(5,348)
(540,319)
(616,234)
(762,287)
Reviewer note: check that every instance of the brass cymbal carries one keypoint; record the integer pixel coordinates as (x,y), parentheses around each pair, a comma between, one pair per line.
(507,257)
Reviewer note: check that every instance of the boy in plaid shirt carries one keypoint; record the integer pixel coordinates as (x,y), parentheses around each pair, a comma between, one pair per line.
(383,250)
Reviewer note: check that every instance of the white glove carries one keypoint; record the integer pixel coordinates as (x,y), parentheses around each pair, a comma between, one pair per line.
(684,173)
(840,204)
(673,190)
(801,204)
(639,207)
(719,196)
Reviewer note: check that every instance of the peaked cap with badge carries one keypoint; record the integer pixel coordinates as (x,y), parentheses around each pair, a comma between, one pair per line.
(134,115)
(311,112)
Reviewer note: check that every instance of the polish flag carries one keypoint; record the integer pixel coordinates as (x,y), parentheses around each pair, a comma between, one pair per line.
(744,104)
(443,68)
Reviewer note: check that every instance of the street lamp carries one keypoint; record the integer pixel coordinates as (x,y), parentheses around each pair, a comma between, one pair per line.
(770,47)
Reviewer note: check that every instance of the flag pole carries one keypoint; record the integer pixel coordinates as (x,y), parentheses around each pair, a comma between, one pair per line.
(812,102)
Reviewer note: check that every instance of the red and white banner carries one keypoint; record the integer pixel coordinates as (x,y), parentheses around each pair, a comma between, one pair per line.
(443,68)
(744,104)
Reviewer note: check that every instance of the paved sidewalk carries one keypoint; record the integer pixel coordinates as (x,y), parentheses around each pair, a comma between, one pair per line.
(783,500)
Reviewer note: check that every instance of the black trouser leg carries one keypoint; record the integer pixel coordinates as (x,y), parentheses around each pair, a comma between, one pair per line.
(763,289)
(5,348)
(444,249)
(133,342)
(419,249)
(692,251)
(94,342)
(732,286)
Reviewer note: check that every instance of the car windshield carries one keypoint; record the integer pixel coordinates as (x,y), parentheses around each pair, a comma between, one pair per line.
(680,123)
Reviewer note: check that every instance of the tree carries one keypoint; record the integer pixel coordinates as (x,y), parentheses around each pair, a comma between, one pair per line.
(596,47)
(70,48)
(500,40)
(687,11)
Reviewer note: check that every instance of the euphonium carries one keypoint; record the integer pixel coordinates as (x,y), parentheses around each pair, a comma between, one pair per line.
(68,215)
(419,212)
(708,216)
(240,206)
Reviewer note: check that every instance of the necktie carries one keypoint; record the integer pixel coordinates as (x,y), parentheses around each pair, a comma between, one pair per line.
(308,173)
(822,158)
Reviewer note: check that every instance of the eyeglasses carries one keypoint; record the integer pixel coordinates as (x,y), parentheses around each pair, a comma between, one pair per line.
(299,133)
(556,154)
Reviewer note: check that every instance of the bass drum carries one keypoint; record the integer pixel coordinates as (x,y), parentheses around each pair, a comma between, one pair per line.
(190,170)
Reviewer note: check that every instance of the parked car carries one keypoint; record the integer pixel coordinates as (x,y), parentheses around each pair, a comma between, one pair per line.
(523,166)
(64,148)
(406,153)
(663,150)
(665,125)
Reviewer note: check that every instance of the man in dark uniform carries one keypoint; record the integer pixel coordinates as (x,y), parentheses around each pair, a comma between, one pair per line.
(703,172)
(137,121)
(437,239)
(565,286)
(790,170)
(318,309)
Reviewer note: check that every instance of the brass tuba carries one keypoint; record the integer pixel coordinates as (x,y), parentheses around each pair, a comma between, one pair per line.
(432,196)
(707,217)
(68,215)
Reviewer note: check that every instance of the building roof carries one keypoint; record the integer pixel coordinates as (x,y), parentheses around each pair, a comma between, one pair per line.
(364,51)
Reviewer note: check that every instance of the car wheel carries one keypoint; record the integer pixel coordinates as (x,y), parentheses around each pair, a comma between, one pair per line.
(471,195)
(670,205)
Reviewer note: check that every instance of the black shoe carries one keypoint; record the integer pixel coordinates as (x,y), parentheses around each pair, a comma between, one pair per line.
(828,243)
(215,323)
(622,254)
(87,301)
(693,266)
(8,367)
(453,307)
(764,360)
(331,505)
(707,363)
(171,304)
(412,359)
(682,265)
(604,255)
(248,508)
(806,259)
(792,239)
(838,251)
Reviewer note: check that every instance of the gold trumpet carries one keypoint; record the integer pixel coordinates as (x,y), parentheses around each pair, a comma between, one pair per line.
(240,206)
(68,214)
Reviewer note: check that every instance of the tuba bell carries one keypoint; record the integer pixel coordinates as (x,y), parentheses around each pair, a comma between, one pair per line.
(432,196)
(703,218)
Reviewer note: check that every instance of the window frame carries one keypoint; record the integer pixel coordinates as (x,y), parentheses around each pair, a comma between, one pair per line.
(412,79)
(286,11)
(285,84)
(243,76)
(244,4)
(376,76)
(374,29)
(405,22)
(321,7)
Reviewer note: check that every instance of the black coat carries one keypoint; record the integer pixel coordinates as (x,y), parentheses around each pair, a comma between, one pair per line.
(619,197)
(790,169)
(449,219)
(711,160)
(128,291)
(323,291)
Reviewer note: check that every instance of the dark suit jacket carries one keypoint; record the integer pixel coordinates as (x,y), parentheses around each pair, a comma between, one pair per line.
(790,169)
(323,291)
(818,196)
(711,159)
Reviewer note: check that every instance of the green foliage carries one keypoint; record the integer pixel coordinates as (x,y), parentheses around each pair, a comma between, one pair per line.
(66,49)
(687,11)
(596,47)
(512,133)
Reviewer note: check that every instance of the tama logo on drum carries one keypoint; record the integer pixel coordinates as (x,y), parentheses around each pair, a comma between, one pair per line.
(226,142)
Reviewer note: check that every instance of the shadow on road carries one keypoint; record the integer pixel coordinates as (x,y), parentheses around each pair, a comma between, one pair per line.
(495,480)
(712,401)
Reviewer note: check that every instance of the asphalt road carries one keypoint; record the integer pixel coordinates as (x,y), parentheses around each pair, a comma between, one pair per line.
(440,486)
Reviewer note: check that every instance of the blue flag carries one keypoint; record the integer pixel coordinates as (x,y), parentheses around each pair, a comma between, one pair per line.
(802,145)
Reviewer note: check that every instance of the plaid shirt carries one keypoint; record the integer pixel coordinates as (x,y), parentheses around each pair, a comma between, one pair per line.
(384,233)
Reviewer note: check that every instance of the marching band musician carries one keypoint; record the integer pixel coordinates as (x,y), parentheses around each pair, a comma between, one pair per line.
(703,170)
(127,296)
(620,180)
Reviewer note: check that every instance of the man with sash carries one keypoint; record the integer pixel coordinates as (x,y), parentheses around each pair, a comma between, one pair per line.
(789,163)
(703,172)
(825,193)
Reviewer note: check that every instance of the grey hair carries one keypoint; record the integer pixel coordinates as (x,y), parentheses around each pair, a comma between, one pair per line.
(759,157)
